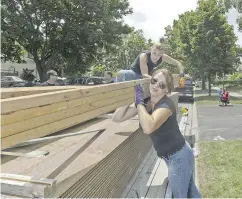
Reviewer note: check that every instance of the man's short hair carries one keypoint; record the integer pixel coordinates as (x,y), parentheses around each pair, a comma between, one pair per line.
(51,73)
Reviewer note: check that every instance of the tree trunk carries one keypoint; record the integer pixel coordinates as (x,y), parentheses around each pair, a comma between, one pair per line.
(209,85)
(203,82)
(42,70)
(223,80)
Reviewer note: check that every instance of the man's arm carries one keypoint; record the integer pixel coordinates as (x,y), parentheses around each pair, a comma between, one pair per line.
(143,66)
(173,62)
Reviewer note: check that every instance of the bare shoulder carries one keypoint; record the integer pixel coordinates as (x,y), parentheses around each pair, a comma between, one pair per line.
(143,56)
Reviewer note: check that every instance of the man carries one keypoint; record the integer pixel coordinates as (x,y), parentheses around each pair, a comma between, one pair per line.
(147,62)
(108,77)
(52,77)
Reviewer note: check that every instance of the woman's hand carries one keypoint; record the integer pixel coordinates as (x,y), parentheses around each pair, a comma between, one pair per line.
(139,94)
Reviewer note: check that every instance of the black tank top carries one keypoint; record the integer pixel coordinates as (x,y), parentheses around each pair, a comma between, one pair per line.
(151,66)
(167,139)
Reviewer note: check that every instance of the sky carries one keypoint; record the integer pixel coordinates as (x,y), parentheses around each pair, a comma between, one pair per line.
(152,16)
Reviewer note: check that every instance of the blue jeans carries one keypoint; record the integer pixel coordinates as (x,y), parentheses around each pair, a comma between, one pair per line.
(180,173)
(128,75)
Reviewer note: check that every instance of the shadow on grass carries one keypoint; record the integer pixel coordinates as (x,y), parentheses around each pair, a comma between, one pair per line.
(214,100)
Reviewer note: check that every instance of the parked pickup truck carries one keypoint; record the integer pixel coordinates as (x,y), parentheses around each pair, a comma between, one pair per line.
(186,89)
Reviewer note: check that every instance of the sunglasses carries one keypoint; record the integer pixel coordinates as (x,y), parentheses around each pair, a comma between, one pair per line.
(161,85)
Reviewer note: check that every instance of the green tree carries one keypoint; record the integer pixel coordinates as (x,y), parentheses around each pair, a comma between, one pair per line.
(204,41)
(98,70)
(237,4)
(124,55)
(11,51)
(72,30)
(27,75)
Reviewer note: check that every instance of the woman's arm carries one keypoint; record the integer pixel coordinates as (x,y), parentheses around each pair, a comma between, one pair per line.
(144,66)
(124,113)
(150,123)
(173,62)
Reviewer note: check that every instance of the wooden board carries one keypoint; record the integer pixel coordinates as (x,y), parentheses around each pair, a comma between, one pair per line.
(25,186)
(104,145)
(110,176)
(26,155)
(98,102)
(86,175)
(55,147)
(158,185)
(23,91)
(61,124)
(20,103)
(30,113)
(139,187)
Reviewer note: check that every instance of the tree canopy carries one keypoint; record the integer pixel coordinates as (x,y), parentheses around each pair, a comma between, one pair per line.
(237,4)
(58,30)
(204,40)
(123,55)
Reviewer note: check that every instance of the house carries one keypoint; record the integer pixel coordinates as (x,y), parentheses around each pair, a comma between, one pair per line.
(11,68)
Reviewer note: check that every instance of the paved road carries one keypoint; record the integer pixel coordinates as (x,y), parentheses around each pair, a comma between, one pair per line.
(224,121)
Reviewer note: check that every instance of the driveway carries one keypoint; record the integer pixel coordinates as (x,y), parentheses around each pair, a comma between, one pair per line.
(219,121)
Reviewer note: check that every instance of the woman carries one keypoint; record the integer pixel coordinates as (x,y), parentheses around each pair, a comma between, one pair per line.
(146,62)
(158,119)
(225,97)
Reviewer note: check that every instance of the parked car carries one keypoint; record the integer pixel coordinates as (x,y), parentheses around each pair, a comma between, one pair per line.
(85,80)
(12,81)
(186,91)
(94,80)
(61,81)
(76,80)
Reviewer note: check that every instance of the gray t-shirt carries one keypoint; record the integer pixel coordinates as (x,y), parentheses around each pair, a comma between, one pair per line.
(167,139)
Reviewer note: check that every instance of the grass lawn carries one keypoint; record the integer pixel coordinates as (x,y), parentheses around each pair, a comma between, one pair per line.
(214,100)
(237,88)
(220,169)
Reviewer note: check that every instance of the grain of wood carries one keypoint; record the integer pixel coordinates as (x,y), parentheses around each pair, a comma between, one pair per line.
(26,114)
(23,178)
(49,138)
(25,186)
(59,125)
(19,103)
(100,149)
(157,188)
(17,92)
(26,155)
(140,184)
(119,162)
(21,126)
(56,164)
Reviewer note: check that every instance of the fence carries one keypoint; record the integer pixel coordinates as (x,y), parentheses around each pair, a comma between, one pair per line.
(9,73)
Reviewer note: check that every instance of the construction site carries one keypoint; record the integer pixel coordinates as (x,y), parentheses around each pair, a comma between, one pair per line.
(61,142)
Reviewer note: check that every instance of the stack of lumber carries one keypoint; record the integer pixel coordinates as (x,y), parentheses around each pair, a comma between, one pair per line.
(95,164)
(73,160)
(38,115)
(23,91)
